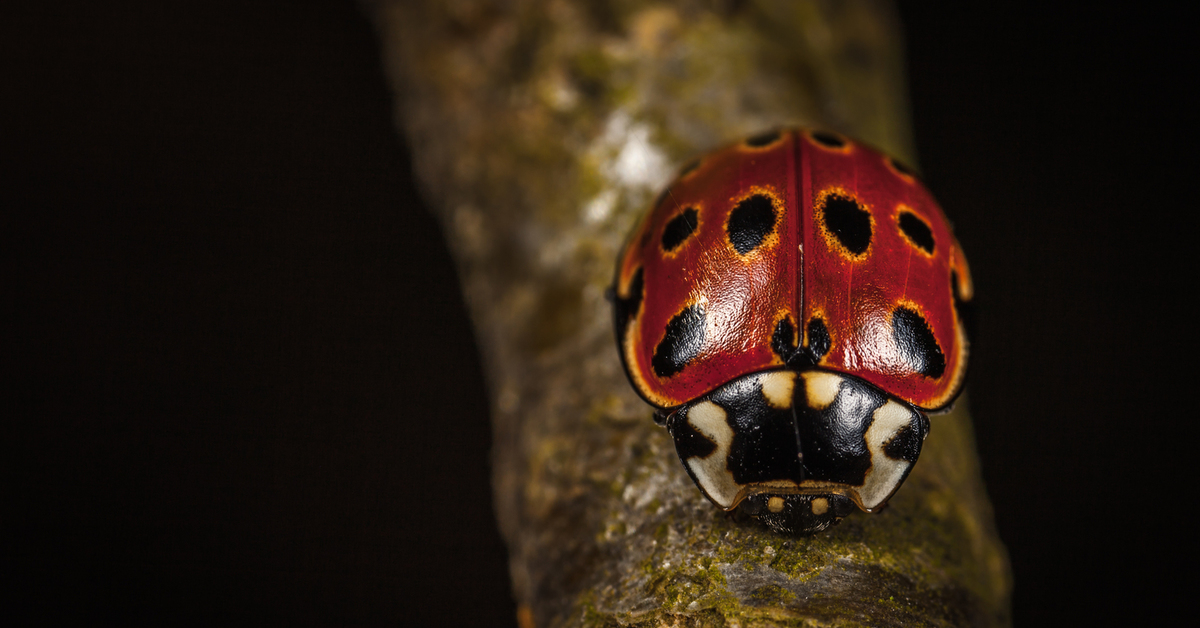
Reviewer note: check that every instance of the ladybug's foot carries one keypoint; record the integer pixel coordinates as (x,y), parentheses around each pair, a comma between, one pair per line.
(798,514)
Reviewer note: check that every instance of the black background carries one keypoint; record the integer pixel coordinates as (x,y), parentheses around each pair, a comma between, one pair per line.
(240,383)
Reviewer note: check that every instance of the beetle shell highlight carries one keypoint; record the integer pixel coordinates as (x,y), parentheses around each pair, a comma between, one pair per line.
(792,305)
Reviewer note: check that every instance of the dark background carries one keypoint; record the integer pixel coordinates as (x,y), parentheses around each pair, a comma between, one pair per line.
(240,383)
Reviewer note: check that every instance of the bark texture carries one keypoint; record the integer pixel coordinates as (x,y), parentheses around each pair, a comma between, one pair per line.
(541,130)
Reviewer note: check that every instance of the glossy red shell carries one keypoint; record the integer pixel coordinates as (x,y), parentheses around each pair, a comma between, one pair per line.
(800,270)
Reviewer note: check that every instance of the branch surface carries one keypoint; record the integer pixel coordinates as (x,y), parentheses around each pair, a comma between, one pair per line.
(540,131)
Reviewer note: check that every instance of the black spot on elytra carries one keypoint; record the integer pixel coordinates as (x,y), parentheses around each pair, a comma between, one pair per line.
(818,339)
(682,343)
(751,222)
(917,230)
(689,442)
(848,222)
(679,228)
(901,168)
(915,340)
(625,308)
(763,139)
(783,339)
(828,139)
(906,443)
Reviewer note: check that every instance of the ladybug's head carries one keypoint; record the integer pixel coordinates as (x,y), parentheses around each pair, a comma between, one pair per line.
(797,449)
(798,514)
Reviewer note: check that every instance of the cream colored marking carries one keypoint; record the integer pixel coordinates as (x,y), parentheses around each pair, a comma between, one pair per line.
(820,506)
(822,388)
(712,472)
(777,388)
(775,504)
(885,473)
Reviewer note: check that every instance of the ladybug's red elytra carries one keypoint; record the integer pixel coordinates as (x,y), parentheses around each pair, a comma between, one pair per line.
(793,306)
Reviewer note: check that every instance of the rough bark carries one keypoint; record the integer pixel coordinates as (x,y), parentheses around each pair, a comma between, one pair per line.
(541,130)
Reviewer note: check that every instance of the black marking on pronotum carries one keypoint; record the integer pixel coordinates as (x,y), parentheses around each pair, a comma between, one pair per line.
(905,444)
(689,442)
(763,139)
(915,340)
(679,229)
(764,445)
(901,167)
(751,222)
(835,446)
(828,139)
(917,230)
(682,342)
(818,339)
(626,308)
(848,222)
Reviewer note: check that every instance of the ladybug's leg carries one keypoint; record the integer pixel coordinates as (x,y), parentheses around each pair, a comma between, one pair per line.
(855,435)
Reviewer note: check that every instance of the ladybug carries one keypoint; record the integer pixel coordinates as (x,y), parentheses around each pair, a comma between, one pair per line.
(794,307)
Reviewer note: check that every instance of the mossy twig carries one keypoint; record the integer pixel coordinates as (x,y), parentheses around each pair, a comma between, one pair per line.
(541,130)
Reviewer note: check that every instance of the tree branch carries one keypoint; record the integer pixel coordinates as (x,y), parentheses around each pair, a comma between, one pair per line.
(541,130)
